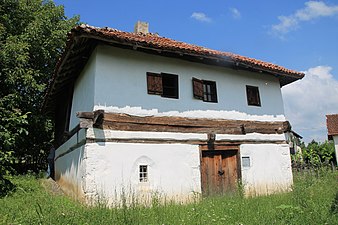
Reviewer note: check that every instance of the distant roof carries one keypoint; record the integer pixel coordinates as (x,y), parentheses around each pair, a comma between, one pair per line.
(83,39)
(332,125)
(296,134)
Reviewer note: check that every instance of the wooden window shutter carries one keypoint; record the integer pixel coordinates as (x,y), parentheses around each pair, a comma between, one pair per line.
(154,83)
(197,88)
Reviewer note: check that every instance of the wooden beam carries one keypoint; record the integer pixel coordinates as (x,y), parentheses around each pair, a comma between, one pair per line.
(86,115)
(114,121)
(188,125)
(205,147)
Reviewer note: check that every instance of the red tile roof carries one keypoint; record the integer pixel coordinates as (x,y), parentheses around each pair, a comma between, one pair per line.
(158,42)
(332,124)
(83,39)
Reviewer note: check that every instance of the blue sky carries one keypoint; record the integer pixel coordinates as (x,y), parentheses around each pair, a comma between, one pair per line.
(300,35)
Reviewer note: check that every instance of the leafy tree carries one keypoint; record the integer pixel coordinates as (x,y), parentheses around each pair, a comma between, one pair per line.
(316,154)
(32,36)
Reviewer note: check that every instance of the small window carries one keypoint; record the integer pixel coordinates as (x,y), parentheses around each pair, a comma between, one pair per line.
(204,90)
(143,175)
(163,84)
(252,94)
(245,161)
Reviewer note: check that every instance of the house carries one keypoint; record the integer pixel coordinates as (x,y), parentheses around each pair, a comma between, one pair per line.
(332,131)
(137,113)
(294,141)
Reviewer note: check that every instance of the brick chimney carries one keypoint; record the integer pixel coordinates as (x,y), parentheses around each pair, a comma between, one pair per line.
(141,27)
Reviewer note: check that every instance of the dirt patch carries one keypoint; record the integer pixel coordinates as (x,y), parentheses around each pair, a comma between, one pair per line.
(51,186)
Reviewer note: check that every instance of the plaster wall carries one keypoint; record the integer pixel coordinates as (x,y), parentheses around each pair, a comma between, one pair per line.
(120,81)
(83,97)
(269,170)
(100,134)
(335,140)
(112,170)
(70,167)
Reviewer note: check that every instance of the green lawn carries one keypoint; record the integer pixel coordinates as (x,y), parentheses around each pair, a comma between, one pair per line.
(309,203)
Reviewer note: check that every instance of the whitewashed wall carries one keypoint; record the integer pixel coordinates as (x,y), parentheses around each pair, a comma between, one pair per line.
(335,139)
(269,170)
(113,167)
(70,167)
(121,81)
(83,97)
(105,171)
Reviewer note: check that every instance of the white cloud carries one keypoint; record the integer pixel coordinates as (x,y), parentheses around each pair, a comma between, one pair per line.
(312,10)
(235,13)
(200,17)
(308,101)
(286,24)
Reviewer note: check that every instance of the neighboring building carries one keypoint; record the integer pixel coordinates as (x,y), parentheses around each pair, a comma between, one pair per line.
(136,113)
(294,141)
(332,131)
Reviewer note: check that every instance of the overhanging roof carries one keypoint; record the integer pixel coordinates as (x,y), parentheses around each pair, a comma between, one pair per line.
(83,39)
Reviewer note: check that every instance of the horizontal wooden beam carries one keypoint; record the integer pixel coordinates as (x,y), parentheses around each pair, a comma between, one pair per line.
(189,125)
(206,147)
(126,122)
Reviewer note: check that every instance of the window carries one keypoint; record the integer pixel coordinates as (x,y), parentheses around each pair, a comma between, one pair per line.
(252,94)
(204,90)
(143,175)
(246,161)
(163,84)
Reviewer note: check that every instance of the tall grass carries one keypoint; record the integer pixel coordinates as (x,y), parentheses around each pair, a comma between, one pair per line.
(310,202)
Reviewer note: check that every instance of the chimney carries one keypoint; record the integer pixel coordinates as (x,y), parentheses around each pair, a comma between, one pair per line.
(141,27)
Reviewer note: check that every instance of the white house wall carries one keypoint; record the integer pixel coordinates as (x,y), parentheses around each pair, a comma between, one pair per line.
(269,170)
(83,97)
(112,171)
(100,134)
(90,170)
(120,81)
(335,140)
(69,165)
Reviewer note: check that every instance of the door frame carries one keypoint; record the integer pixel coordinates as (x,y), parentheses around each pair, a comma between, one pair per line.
(221,147)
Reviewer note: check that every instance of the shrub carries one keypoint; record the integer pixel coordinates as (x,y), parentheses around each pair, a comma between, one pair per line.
(334,206)
(6,159)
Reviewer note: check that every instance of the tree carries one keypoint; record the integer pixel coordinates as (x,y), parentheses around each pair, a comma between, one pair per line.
(32,36)
(316,154)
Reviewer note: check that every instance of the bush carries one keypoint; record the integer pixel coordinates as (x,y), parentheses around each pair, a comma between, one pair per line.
(334,206)
(315,155)
(6,160)
(6,186)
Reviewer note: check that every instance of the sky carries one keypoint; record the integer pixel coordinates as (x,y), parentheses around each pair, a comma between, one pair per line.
(300,35)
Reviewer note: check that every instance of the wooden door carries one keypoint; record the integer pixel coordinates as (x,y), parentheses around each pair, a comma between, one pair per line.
(219,171)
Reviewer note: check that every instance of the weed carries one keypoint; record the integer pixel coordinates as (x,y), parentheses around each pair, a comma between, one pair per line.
(314,200)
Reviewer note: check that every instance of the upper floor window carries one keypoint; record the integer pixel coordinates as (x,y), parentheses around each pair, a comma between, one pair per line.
(163,84)
(252,94)
(204,90)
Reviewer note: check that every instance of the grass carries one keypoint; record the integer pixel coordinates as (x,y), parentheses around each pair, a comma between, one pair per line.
(309,203)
